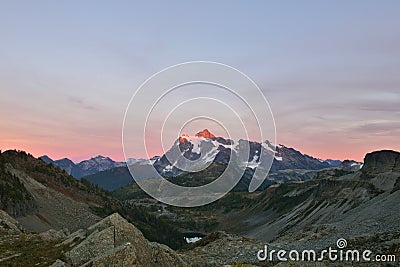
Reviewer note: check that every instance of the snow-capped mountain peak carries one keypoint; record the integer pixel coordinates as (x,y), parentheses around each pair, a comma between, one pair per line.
(205,134)
(205,147)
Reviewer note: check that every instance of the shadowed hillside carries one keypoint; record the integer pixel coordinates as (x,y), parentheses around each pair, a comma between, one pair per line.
(42,196)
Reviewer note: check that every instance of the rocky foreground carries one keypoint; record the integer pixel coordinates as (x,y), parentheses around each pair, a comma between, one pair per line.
(113,241)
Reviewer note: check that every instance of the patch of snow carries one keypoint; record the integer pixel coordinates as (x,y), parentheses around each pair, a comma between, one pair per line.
(253,163)
(267,147)
(210,156)
(357,164)
(168,168)
(196,144)
(233,146)
(276,145)
(255,158)
(272,144)
(151,161)
(192,239)
(141,161)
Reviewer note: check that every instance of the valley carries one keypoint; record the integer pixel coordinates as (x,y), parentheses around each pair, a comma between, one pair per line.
(294,209)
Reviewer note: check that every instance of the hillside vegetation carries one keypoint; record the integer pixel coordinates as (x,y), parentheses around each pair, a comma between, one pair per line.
(14,195)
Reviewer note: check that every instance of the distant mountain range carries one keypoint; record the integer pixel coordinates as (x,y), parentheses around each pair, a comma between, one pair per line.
(333,162)
(84,168)
(207,148)
(204,148)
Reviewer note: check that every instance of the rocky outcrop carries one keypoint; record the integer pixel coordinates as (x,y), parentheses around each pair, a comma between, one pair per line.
(119,256)
(381,162)
(51,235)
(223,249)
(8,225)
(115,242)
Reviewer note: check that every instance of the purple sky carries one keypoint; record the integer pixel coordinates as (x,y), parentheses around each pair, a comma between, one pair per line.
(330,70)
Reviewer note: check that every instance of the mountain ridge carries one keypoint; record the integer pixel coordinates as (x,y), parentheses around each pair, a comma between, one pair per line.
(215,149)
(85,167)
(333,200)
(59,200)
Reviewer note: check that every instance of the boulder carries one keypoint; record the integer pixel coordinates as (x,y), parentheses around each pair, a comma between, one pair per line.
(113,241)
(8,225)
(51,235)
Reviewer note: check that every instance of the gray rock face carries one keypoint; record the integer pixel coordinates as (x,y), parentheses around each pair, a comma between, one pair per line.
(119,256)
(115,242)
(8,225)
(52,234)
(381,161)
(56,210)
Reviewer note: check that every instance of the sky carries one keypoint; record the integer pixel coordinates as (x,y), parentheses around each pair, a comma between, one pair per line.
(329,69)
